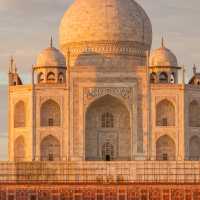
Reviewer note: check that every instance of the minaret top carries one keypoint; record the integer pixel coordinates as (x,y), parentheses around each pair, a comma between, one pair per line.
(11,63)
(13,68)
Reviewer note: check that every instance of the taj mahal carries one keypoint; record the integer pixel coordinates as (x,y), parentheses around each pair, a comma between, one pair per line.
(104,107)
(101,96)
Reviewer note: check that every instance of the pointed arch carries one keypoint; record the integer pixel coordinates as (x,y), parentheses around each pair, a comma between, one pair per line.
(51,77)
(50,114)
(194,117)
(40,77)
(20,115)
(19,149)
(163,77)
(107,121)
(165,148)
(165,113)
(194,148)
(50,149)
(61,77)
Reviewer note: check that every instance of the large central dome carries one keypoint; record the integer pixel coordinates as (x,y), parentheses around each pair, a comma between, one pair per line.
(121,22)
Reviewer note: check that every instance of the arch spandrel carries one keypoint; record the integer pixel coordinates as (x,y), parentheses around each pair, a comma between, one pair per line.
(43,99)
(124,95)
(172,135)
(166,98)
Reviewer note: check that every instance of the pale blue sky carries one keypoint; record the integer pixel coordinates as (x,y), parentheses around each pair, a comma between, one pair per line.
(26,26)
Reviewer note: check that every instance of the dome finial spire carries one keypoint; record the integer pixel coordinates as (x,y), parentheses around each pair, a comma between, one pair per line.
(194,69)
(51,42)
(162,42)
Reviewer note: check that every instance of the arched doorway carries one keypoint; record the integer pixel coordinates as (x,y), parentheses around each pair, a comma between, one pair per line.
(163,77)
(51,77)
(50,149)
(50,114)
(60,77)
(41,78)
(19,149)
(194,117)
(108,133)
(165,113)
(165,148)
(107,151)
(194,147)
(20,115)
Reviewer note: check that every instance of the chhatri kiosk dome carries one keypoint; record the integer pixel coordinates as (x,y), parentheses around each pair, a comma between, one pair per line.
(163,57)
(113,28)
(50,66)
(51,57)
(163,65)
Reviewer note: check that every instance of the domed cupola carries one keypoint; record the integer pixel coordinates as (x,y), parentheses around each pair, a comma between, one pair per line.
(50,66)
(96,29)
(195,80)
(51,57)
(163,65)
(163,57)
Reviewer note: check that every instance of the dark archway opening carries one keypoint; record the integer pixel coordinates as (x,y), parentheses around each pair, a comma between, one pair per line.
(108,158)
(108,133)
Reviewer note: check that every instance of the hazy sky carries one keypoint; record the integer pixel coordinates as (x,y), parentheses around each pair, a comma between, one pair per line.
(26,26)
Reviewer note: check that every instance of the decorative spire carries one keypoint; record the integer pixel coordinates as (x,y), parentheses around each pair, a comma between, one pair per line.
(162,42)
(51,42)
(15,68)
(194,69)
(183,74)
(11,63)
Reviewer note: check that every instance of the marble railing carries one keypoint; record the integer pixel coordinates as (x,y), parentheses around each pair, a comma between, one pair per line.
(98,172)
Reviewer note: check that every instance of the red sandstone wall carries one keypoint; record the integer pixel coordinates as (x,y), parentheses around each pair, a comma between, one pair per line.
(100,192)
